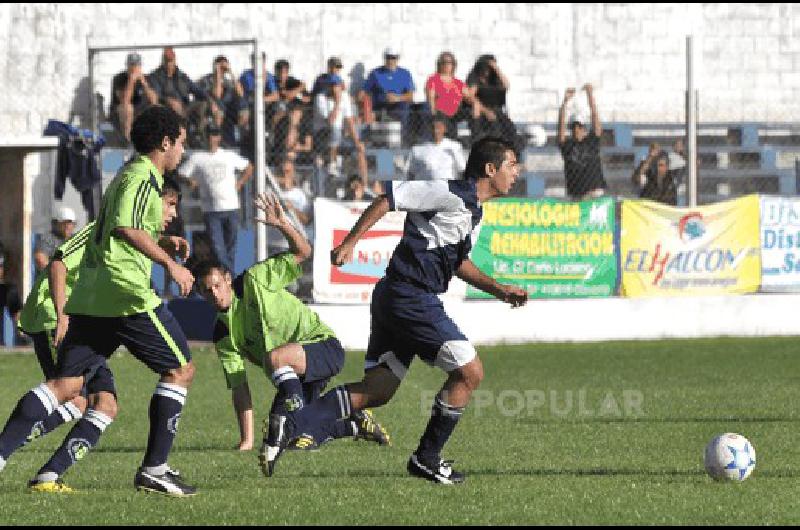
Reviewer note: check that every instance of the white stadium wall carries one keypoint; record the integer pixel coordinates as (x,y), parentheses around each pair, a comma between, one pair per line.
(633,53)
(595,320)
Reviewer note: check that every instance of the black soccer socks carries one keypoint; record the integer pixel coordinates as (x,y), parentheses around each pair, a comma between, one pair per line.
(444,419)
(27,419)
(165,413)
(81,439)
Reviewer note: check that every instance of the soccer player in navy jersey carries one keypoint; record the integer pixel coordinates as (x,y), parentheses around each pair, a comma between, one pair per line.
(408,318)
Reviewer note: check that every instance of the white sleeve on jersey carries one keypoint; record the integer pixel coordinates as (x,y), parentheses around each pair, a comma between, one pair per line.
(423,196)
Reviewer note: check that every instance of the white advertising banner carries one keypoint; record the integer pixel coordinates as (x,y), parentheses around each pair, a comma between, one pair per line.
(353,282)
(780,244)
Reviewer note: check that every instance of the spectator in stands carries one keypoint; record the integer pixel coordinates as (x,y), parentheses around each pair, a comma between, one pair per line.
(229,109)
(653,179)
(290,90)
(214,172)
(356,191)
(294,139)
(62,226)
(390,89)
(583,169)
(296,202)
(677,162)
(333,117)
(248,82)
(446,93)
(331,78)
(9,296)
(286,115)
(176,90)
(487,87)
(441,159)
(130,94)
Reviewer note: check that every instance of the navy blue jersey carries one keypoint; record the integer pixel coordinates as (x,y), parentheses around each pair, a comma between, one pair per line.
(436,236)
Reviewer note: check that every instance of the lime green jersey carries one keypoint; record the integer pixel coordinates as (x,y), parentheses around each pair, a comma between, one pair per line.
(39,314)
(114,277)
(263,316)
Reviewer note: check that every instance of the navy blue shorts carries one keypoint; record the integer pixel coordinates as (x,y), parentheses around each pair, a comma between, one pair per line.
(323,360)
(98,379)
(153,337)
(406,323)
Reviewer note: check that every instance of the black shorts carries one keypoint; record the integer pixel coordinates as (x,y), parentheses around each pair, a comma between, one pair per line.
(405,324)
(98,378)
(324,360)
(153,337)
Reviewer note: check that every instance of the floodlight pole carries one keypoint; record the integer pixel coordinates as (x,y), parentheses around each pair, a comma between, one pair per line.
(691,124)
(92,99)
(261,159)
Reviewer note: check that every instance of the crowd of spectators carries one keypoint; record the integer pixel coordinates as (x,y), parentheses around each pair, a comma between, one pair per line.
(328,127)
(323,125)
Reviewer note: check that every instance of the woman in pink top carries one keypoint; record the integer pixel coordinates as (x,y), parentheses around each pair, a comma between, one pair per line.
(445,92)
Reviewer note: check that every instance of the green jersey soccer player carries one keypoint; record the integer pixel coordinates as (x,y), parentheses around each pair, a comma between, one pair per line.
(112,304)
(42,318)
(260,321)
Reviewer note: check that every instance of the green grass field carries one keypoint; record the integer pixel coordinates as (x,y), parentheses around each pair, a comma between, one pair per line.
(595,462)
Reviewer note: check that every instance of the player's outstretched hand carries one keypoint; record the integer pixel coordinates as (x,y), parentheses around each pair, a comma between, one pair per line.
(273,211)
(514,295)
(341,255)
(182,277)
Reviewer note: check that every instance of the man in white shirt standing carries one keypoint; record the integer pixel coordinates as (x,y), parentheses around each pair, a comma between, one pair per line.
(441,159)
(295,201)
(215,173)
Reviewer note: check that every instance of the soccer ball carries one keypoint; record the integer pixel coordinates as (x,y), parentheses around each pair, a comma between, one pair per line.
(731,457)
(538,135)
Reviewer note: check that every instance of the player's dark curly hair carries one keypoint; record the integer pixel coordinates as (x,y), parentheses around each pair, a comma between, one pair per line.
(152,125)
(171,185)
(488,150)
(202,268)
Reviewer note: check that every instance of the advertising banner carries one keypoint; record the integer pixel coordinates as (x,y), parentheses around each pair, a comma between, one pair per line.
(780,244)
(670,251)
(353,282)
(551,248)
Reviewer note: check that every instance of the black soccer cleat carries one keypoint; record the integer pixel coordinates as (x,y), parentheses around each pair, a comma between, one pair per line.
(170,483)
(369,429)
(275,428)
(440,472)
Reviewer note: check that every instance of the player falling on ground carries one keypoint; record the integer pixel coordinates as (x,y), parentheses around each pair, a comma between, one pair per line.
(260,321)
(112,303)
(44,320)
(408,318)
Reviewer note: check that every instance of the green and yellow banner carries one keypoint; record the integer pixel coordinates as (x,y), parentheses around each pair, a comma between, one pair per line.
(551,248)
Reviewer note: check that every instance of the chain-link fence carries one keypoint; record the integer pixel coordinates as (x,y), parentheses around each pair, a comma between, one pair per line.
(343,132)
(334,134)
